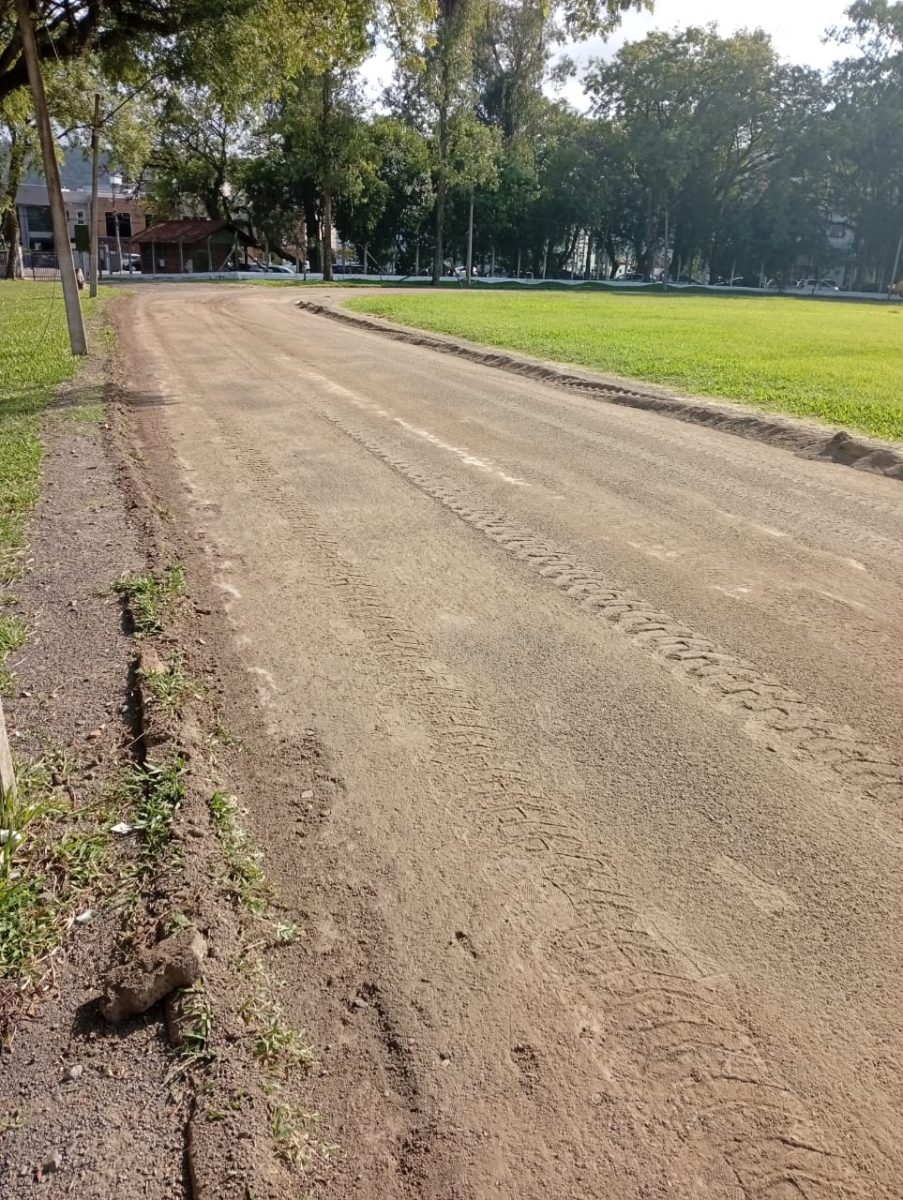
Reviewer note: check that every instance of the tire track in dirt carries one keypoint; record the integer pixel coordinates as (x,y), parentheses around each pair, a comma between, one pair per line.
(806,440)
(800,732)
(674,1030)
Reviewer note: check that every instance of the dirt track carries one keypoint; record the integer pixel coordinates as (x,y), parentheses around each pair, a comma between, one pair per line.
(603,898)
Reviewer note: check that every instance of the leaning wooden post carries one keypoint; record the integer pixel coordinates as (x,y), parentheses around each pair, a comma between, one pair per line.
(7,775)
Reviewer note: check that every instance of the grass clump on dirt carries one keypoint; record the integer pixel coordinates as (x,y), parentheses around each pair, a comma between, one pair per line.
(837,362)
(12,636)
(170,686)
(275,1044)
(149,598)
(56,856)
(296,1136)
(53,858)
(197,1024)
(247,881)
(155,792)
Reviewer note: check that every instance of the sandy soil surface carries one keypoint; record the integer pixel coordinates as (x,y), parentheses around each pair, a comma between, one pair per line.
(87,1110)
(601,876)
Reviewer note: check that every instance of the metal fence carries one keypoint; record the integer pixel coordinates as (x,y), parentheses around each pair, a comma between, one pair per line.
(35,264)
(43,264)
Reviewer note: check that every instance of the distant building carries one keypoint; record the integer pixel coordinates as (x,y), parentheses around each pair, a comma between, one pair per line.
(186,246)
(117,205)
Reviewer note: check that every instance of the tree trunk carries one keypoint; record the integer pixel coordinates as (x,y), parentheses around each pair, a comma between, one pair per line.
(327,164)
(11,232)
(588,266)
(326,240)
(612,256)
(312,230)
(442,179)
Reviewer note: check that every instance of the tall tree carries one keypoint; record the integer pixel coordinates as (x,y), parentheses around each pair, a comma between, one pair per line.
(392,194)
(865,147)
(119,31)
(17,124)
(701,118)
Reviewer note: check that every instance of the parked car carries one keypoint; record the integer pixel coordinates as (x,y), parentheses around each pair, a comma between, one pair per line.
(815,285)
(250,265)
(280,269)
(750,281)
(631,277)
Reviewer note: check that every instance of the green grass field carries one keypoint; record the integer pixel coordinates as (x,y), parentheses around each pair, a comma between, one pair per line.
(835,362)
(34,360)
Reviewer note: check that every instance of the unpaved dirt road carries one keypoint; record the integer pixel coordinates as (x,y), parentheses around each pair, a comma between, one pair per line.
(603,899)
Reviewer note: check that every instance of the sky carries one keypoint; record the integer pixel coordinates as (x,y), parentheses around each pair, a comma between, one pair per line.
(797,27)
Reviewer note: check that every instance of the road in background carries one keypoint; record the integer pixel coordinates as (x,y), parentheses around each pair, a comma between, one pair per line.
(607,898)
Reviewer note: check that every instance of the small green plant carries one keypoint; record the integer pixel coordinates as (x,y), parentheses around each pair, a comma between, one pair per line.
(149,598)
(53,856)
(82,856)
(198,1025)
(274,1042)
(169,686)
(247,881)
(156,791)
(287,933)
(295,1134)
(175,922)
(12,636)
(223,736)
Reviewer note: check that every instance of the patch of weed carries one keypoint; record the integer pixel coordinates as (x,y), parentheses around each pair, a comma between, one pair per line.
(175,922)
(198,1028)
(156,792)
(149,598)
(247,881)
(85,414)
(169,686)
(296,1136)
(275,1043)
(53,858)
(287,933)
(12,636)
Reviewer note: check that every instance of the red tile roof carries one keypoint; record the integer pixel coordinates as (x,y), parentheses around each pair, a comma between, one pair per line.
(187,231)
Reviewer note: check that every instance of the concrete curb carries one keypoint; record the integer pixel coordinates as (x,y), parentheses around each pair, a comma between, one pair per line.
(805,439)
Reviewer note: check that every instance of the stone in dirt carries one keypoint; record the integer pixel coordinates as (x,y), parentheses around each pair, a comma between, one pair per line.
(52,1163)
(175,962)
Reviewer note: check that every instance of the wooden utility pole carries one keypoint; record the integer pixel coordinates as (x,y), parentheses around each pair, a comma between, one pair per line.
(95,172)
(61,242)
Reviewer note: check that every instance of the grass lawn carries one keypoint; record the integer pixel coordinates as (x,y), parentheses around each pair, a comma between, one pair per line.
(839,363)
(34,359)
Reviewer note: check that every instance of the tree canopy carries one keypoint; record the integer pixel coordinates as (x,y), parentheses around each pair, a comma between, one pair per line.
(700,154)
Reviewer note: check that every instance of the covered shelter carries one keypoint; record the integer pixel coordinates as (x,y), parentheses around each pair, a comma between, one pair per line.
(186,246)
